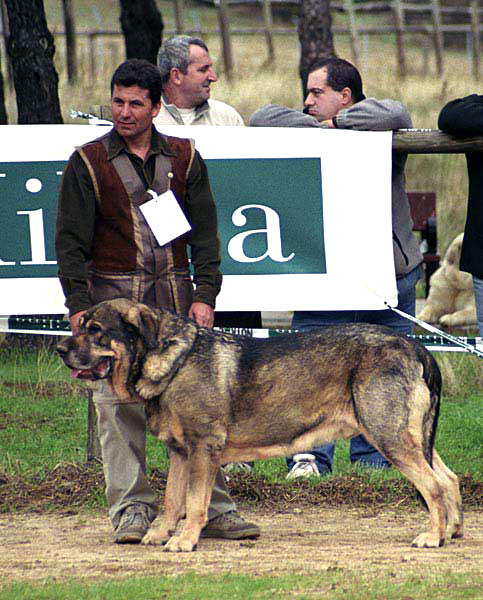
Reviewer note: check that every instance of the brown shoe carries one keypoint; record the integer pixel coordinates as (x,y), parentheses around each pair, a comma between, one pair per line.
(230,526)
(133,525)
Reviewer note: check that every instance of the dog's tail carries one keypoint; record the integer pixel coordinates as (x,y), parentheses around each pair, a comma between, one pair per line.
(433,380)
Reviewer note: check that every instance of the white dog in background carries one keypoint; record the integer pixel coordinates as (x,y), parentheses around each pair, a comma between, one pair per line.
(451,300)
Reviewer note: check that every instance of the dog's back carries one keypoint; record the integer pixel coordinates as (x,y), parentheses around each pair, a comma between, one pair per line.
(319,385)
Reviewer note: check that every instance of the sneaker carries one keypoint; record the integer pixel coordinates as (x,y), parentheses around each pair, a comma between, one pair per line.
(243,467)
(230,526)
(133,525)
(304,467)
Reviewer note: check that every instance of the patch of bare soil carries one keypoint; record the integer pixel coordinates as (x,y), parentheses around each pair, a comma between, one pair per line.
(302,532)
(304,541)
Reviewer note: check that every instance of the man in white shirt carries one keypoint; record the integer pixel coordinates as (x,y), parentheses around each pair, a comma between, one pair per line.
(187,74)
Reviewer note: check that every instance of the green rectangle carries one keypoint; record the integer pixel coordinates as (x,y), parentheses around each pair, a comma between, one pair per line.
(271,215)
(29,202)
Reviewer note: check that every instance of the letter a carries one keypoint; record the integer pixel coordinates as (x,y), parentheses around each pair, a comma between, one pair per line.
(272,233)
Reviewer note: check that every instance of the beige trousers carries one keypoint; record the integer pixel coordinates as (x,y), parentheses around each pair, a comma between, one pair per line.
(122,435)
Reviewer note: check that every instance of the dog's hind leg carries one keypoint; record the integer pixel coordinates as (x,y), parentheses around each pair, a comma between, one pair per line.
(412,464)
(403,430)
(454,503)
(174,501)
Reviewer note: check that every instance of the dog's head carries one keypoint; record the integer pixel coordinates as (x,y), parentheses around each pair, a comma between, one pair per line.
(112,337)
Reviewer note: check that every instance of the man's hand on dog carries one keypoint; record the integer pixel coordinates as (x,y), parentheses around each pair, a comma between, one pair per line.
(202,314)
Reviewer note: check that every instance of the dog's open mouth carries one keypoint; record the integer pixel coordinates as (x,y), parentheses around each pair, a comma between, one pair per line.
(100,371)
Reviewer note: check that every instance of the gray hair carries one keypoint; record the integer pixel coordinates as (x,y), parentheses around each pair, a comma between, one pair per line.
(175,54)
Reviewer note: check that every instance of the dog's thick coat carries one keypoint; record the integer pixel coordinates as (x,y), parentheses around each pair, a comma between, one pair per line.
(451,299)
(216,398)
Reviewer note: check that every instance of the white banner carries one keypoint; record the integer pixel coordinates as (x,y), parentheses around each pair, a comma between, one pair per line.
(304,215)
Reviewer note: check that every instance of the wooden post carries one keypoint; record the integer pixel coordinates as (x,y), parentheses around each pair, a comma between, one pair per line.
(268,23)
(354,42)
(92,55)
(475,39)
(437,35)
(399,25)
(225,37)
(93,445)
(70,41)
(178,16)
(5,42)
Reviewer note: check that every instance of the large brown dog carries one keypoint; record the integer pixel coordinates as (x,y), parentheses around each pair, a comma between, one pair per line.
(216,398)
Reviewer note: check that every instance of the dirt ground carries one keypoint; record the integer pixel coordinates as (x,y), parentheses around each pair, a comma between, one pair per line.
(78,544)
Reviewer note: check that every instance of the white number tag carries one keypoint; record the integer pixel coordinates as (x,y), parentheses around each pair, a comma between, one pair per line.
(164,216)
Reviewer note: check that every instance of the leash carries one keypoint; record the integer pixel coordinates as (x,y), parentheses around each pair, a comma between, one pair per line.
(432,329)
(453,339)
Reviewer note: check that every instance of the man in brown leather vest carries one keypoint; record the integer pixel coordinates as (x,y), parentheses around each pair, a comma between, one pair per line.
(106,249)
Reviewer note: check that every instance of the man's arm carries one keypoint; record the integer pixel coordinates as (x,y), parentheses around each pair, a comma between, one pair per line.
(203,238)
(74,231)
(374,115)
(367,115)
(272,115)
(463,117)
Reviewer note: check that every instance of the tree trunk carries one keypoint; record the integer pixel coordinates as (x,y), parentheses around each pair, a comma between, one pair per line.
(31,50)
(142,25)
(315,35)
(70,41)
(5,42)
(3,110)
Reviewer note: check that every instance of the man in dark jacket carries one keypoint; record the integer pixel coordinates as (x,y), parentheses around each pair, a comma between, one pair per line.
(464,118)
(106,249)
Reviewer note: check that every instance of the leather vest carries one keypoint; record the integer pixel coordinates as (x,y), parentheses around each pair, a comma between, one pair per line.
(126,259)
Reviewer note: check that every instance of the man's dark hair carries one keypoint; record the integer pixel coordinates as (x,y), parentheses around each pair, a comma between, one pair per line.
(175,54)
(340,74)
(140,72)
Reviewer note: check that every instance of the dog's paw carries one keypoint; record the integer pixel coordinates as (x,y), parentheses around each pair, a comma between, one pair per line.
(460,318)
(179,544)
(155,536)
(427,540)
(449,320)
(455,531)
(429,315)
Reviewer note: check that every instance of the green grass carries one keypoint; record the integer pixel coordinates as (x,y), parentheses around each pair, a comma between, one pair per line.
(43,416)
(43,420)
(337,584)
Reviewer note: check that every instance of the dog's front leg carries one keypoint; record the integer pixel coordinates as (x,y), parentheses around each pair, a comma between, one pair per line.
(174,501)
(202,472)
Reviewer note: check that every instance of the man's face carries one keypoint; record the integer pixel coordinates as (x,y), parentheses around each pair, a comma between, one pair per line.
(323,102)
(194,86)
(132,110)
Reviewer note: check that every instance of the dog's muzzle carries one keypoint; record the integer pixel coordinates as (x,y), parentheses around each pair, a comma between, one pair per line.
(83,371)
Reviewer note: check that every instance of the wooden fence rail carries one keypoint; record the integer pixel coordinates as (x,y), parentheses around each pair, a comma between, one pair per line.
(433,141)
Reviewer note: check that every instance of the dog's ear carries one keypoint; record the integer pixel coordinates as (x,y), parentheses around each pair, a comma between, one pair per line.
(146,322)
(454,252)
